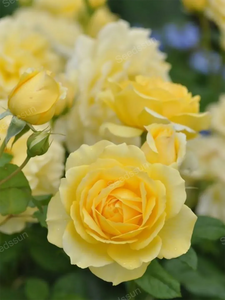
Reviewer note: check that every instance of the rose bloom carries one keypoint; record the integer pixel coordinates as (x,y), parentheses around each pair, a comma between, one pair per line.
(152,100)
(205,159)
(195,5)
(66,8)
(164,145)
(96,61)
(16,223)
(96,3)
(100,18)
(212,202)
(217,111)
(115,212)
(60,32)
(22,47)
(37,97)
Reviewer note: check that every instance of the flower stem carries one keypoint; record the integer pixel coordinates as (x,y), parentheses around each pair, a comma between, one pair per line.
(17,171)
(2,148)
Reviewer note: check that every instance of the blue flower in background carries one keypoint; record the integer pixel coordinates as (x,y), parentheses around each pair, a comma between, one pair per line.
(182,38)
(206,62)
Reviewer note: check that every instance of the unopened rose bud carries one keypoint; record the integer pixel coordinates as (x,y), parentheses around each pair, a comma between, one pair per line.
(38,144)
(35,98)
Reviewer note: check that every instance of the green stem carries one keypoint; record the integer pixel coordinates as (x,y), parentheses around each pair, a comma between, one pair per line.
(90,10)
(3,146)
(17,171)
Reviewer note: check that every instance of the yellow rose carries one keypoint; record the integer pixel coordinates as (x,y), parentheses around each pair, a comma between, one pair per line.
(16,223)
(61,32)
(23,47)
(96,61)
(164,145)
(212,202)
(151,100)
(115,212)
(101,17)
(67,8)
(35,98)
(217,111)
(96,3)
(67,103)
(195,5)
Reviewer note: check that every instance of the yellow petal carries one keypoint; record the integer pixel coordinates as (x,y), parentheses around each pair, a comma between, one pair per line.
(197,122)
(57,220)
(133,259)
(176,234)
(86,155)
(83,254)
(121,130)
(175,187)
(116,274)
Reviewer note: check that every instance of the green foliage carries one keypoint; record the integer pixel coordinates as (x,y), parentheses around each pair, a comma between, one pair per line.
(15,194)
(36,289)
(159,283)
(15,128)
(208,228)
(5,159)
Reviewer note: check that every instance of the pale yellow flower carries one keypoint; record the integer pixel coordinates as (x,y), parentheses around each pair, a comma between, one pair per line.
(217,111)
(43,172)
(164,145)
(67,8)
(212,202)
(152,100)
(195,5)
(205,159)
(22,47)
(115,212)
(101,17)
(60,32)
(98,60)
(36,98)
(16,223)
(96,3)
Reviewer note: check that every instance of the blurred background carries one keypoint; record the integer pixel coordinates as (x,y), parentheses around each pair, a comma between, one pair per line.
(191,48)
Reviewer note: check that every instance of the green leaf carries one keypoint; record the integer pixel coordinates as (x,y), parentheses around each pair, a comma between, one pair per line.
(15,127)
(36,289)
(41,216)
(18,136)
(158,283)
(54,259)
(5,114)
(44,199)
(207,281)
(5,159)
(208,228)
(71,286)
(11,294)
(190,258)
(15,194)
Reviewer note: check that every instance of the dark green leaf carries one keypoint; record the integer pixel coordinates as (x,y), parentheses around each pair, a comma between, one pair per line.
(41,216)
(5,159)
(158,283)
(207,281)
(36,289)
(208,228)
(72,284)
(44,199)
(15,194)
(15,127)
(190,258)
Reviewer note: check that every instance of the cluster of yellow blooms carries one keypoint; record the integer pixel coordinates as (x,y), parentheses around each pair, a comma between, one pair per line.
(102,86)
